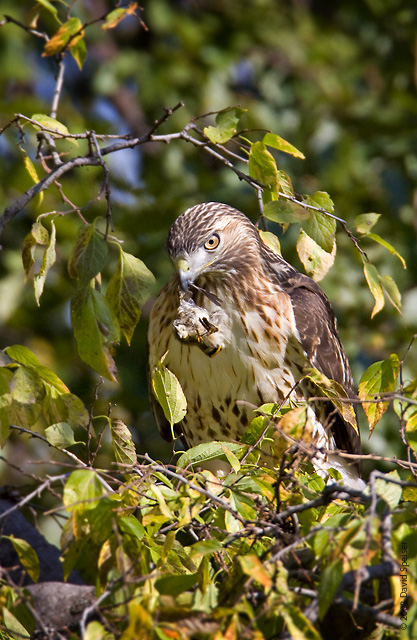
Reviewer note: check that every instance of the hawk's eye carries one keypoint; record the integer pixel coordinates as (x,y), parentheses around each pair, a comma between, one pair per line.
(212,243)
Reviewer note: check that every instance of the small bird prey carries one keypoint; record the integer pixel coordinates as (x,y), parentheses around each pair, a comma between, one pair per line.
(240,327)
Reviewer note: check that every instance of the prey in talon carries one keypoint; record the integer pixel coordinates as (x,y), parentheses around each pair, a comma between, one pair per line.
(193,325)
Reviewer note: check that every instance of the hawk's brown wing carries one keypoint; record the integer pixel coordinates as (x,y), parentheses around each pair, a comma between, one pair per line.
(317,328)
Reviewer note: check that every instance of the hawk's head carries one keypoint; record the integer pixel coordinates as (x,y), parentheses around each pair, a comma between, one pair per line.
(212,239)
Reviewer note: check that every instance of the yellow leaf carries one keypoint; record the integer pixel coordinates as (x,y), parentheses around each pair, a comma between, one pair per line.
(253,567)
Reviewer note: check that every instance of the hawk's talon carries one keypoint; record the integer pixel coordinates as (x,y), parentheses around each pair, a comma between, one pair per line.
(214,353)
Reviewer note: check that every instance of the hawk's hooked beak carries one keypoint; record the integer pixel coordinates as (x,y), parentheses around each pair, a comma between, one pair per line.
(186,275)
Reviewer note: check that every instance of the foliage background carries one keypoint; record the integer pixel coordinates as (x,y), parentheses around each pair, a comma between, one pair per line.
(338,81)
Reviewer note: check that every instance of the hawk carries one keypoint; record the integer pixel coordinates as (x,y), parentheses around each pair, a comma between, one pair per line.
(239,325)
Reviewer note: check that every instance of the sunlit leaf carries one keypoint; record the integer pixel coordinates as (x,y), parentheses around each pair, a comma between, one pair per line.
(366,221)
(168,392)
(299,626)
(60,435)
(389,491)
(30,168)
(226,126)
(231,458)
(285,212)
(392,291)
(316,261)
(48,260)
(375,287)
(84,488)
(127,290)
(253,567)
(49,7)
(123,445)
(285,184)
(116,16)
(410,417)
(27,556)
(379,378)
(54,127)
(208,451)
(68,32)
(38,236)
(387,246)
(330,580)
(12,624)
(131,526)
(271,241)
(275,141)
(27,392)
(319,226)
(78,51)
(88,255)
(263,168)
(336,393)
(96,631)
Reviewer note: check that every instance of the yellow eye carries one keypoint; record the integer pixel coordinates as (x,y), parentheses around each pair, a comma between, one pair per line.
(212,243)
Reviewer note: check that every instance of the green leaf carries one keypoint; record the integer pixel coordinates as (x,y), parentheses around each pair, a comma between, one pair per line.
(336,393)
(123,445)
(285,212)
(96,631)
(27,392)
(387,246)
(168,392)
(88,255)
(329,583)
(12,624)
(275,141)
(131,526)
(48,260)
(299,626)
(320,227)
(60,435)
(226,128)
(205,547)
(208,451)
(374,284)
(84,488)
(263,168)
(79,53)
(366,221)
(55,128)
(127,291)
(392,291)
(116,16)
(64,36)
(23,355)
(175,584)
(96,330)
(4,427)
(316,261)
(389,491)
(271,241)
(231,458)
(49,7)
(379,378)
(27,556)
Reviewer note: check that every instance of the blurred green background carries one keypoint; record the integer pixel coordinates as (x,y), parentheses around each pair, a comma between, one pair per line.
(338,80)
